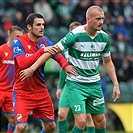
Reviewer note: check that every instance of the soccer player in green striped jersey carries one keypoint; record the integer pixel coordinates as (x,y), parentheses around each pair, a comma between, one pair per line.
(87,44)
(61,93)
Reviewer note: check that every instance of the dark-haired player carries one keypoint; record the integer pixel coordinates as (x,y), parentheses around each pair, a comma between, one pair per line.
(32,95)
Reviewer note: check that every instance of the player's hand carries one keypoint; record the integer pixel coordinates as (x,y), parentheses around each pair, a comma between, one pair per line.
(26,74)
(52,50)
(71,70)
(58,93)
(116,93)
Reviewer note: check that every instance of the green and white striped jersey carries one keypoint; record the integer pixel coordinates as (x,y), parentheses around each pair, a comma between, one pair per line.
(85,52)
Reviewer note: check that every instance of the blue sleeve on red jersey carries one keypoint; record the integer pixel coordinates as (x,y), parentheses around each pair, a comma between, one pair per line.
(49,43)
(17,47)
(44,42)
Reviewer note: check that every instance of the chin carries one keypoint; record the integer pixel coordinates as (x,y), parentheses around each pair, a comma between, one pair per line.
(40,35)
(99,29)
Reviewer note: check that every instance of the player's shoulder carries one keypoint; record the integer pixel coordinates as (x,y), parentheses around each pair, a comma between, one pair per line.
(3,46)
(79,29)
(21,38)
(103,36)
(45,40)
(103,33)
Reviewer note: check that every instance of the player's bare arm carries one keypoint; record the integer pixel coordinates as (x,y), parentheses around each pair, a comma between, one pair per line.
(50,50)
(56,47)
(111,71)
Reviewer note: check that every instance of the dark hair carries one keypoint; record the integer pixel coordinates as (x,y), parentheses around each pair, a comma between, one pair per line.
(14,28)
(31,17)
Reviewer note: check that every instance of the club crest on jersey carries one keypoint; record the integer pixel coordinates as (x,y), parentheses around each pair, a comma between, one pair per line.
(19,117)
(92,46)
(6,54)
(42,45)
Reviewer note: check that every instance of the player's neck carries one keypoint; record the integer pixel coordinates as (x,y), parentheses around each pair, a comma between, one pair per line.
(9,43)
(90,31)
(33,38)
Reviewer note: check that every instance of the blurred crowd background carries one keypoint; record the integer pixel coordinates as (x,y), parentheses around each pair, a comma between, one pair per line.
(59,14)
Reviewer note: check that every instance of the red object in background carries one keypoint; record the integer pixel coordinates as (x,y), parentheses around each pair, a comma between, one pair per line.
(7,25)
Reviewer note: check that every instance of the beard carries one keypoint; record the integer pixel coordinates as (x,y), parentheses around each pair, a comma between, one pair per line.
(35,35)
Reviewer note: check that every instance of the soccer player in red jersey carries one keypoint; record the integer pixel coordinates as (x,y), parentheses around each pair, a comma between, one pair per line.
(7,76)
(32,95)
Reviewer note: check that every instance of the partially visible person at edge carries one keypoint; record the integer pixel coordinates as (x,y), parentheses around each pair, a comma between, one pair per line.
(7,76)
(64,106)
(87,44)
(32,95)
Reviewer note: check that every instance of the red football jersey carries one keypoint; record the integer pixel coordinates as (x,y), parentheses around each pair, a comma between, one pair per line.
(7,72)
(24,46)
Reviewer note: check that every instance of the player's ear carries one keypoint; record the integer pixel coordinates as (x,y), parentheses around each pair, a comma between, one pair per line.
(29,27)
(88,19)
